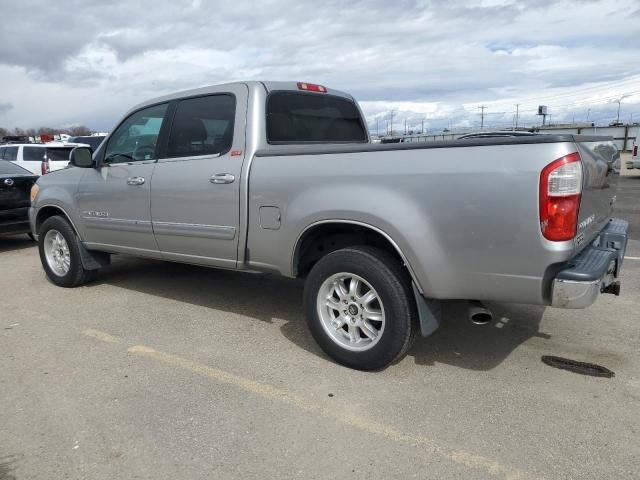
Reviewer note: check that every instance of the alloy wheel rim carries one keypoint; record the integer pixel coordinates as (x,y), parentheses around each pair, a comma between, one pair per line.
(56,250)
(351,311)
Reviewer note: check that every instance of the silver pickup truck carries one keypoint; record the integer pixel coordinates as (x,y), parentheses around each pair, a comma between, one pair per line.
(281,177)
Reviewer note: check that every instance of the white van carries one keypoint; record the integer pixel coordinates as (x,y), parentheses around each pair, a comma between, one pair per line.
(38,158)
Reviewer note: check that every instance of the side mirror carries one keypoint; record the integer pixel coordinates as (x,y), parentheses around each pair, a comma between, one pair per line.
(81,157)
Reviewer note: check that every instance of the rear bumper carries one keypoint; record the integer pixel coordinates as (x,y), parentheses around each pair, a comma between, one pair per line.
(14,221)
(594,270)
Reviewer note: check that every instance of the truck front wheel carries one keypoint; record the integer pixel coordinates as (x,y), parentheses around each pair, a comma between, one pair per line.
(60,254)
(360,308)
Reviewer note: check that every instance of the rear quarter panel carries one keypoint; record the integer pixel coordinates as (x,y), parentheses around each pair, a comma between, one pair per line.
(466,218)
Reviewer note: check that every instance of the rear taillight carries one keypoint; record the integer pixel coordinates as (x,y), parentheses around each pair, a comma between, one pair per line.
(44,167)
(560,189)
(635,150)
(311,87)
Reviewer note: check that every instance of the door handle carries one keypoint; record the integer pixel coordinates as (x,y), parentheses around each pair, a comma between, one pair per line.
(222,178)
(135,181)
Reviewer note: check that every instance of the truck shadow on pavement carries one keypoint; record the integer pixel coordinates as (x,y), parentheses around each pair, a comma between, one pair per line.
(274,299)
(460,343)
(16,242)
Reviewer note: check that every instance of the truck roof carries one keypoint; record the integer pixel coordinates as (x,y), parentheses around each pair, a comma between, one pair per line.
(269,86)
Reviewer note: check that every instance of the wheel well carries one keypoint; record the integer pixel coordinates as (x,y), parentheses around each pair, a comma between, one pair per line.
(47,212)
(325,238)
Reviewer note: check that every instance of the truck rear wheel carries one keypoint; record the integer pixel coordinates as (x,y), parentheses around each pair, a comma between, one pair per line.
(359,307)
(60,254)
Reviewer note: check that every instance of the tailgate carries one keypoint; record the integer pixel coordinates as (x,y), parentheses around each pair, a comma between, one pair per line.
(598,197)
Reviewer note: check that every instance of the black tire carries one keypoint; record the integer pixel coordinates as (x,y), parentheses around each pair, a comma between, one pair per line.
(76,275)
(387,276)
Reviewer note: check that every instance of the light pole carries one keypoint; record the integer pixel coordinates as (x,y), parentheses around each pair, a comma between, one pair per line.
(618,101)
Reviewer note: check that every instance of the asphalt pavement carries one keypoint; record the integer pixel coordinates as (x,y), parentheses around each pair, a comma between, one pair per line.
(168,371)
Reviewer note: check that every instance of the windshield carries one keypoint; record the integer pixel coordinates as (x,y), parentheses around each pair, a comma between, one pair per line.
(295,117)
(58,154)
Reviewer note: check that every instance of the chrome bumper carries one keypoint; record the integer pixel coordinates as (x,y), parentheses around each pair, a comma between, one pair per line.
(594,270)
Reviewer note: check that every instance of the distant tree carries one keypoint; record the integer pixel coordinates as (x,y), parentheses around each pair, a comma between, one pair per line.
(19,131)
(79,131)
(30,132)
(47,131)
(3,132)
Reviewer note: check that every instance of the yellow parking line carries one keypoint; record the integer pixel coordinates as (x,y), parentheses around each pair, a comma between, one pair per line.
(105,337)
(461,457)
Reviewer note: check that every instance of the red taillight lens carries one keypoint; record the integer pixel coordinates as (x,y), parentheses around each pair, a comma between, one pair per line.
(44,167)
(560,189)
(311,87)
(635,150)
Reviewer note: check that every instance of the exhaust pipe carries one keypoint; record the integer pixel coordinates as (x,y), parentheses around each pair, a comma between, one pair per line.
(478,313)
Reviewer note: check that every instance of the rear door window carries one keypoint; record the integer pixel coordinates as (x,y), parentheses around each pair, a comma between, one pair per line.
(296,118)
(33,154)
(202,126)
(11,154)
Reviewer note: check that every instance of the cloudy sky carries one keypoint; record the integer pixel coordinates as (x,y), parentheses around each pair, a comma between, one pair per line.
(83,62)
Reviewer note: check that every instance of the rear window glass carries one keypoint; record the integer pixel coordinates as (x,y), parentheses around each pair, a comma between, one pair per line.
(11,154)
(294,118)
(93,141)
(8,168)
(33,154)
(58,154)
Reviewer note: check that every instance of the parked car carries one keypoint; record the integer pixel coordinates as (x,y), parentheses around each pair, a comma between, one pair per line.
(15,188)
(93,141)
(38,158)
(281,177)
(635,158)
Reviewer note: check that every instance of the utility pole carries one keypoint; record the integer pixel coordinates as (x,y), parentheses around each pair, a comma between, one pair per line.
(391,124)
(482,107)
(422,127)
(377,127)
(517,114)
(588,112)
(405,126)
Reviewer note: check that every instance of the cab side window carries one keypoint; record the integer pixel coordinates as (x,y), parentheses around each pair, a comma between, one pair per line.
(202,126)
(136,138)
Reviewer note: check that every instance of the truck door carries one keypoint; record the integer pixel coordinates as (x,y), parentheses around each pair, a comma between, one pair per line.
(114,199)
(195,193)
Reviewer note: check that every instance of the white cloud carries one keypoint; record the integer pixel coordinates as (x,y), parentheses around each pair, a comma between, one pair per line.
(424,59)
